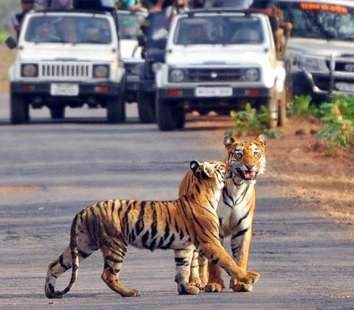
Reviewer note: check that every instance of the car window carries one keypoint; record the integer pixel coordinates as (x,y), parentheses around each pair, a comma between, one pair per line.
(129,25)
(319,21)
(219,30)
(68,29)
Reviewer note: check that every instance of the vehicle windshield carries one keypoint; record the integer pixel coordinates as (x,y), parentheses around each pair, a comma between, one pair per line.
(68,29)
(219,30)
(319,21)
(129,25)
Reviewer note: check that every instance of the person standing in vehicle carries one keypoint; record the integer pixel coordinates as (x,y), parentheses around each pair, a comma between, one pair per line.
(130,5)
(27,5)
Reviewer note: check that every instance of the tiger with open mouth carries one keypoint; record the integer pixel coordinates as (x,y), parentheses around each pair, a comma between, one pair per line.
(235,210)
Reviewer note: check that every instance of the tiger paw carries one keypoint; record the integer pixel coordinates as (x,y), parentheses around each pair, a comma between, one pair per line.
(241,287)
(197,283)
(251,277)
(131,293)
(184,289)
(214,287)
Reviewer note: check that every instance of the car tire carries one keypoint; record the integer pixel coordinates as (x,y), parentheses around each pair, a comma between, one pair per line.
(180,117)
(164,115)
(57,113)
(19,109)
(146,108)
(115,110)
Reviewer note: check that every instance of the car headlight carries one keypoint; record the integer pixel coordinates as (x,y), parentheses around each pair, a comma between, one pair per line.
(176,75)
(252,75)
(310,64)
(29,70)
(156,66)
(100,71)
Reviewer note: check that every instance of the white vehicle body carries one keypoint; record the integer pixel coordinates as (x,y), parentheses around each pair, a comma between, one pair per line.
(321,47)
(76,64)
(222,74)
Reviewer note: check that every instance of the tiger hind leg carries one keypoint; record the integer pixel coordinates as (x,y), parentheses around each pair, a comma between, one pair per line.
(183,260)
(64,263)
(113,260)
(194,278)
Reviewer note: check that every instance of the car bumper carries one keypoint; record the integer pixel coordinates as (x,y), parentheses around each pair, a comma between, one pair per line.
(188,93)
(105,89)
(323,85)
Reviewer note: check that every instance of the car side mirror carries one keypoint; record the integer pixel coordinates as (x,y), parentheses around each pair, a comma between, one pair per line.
(11,43)
(141,40)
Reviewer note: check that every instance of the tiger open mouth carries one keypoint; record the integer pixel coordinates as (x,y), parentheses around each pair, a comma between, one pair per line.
(247,175)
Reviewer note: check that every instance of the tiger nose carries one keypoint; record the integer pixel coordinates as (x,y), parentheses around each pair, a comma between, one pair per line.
(249,167)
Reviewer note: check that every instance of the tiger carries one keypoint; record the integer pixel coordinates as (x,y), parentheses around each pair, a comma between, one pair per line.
(235,210)
(188,223)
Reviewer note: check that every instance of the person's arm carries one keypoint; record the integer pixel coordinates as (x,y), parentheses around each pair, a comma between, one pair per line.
(157,7)
(133,5)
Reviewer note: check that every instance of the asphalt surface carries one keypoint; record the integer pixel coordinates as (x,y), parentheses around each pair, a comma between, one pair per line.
(52,169)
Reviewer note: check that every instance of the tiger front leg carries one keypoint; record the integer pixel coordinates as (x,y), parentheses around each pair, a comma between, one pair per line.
(213,275)
(218,256)
(240,245)
(183,258)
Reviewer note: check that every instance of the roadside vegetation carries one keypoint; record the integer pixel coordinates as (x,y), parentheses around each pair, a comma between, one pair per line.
(335,120)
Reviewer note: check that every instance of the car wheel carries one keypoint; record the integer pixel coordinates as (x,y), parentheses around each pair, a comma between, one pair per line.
(19,109)
(57,113)
(115,110)
(146,107)
(180,117)
(164,115)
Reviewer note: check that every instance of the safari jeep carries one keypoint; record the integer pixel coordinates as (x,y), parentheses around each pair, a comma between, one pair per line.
(321,47)
(67,59)
(129,31)
(218,60)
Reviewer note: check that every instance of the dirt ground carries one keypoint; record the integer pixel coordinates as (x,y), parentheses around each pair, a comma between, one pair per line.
(318,179)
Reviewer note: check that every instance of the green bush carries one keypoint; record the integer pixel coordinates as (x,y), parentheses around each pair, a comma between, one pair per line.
(302,106)
(3,36)
(337,118)
(252,122)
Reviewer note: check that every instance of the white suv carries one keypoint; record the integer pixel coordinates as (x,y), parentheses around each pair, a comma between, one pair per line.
(217,60)
(67,59)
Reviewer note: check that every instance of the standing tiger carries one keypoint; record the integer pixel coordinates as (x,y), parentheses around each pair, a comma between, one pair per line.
(187,223)
(235,211)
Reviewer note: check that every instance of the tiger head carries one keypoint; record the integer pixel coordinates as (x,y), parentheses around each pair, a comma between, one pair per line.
(246,158)
(211,172)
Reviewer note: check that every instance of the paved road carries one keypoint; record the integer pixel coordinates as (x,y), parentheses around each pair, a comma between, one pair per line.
(50,170)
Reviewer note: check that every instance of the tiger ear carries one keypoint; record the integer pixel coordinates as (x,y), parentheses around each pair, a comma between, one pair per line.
(208,170)
(262,139)
(228,141)
(194,165)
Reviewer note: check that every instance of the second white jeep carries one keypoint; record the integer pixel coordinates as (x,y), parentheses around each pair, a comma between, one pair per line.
(218,60)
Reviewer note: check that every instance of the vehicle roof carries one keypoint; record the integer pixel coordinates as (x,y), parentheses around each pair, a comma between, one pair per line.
(219,11)
(48,11)
(334,2)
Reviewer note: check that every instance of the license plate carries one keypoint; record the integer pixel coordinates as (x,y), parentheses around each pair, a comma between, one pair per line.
(64,89)
(213,91)
(345,87)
